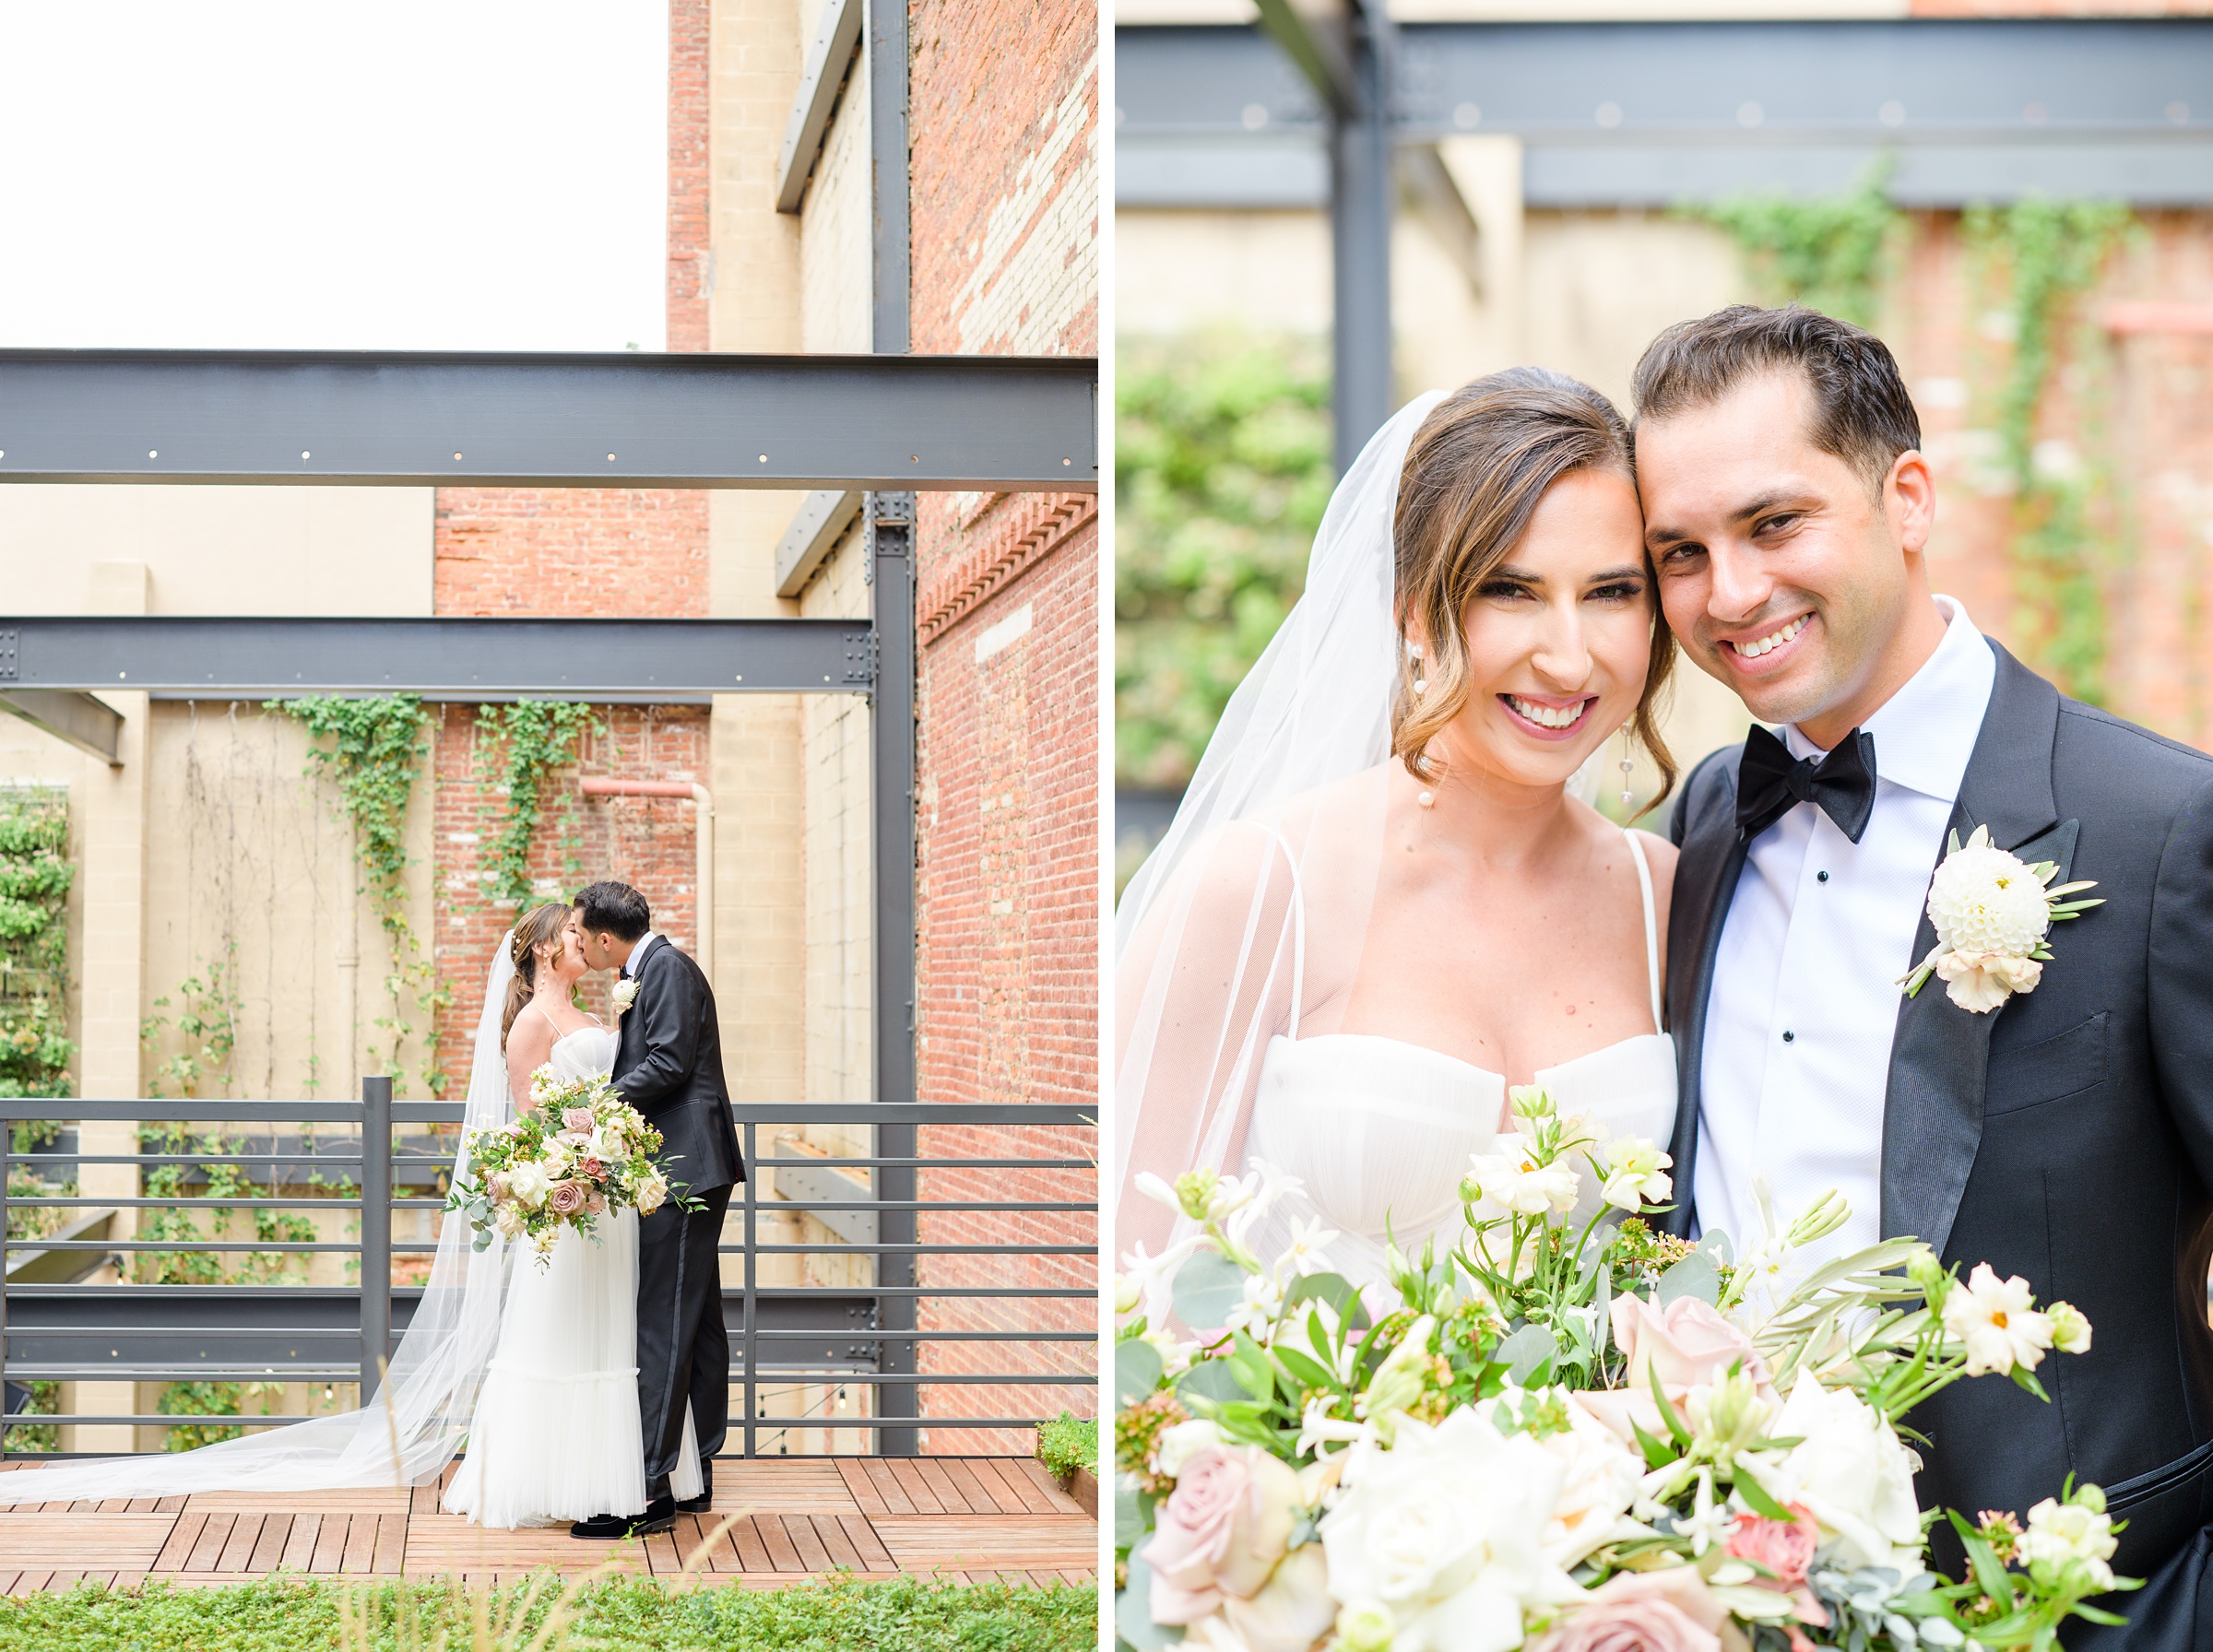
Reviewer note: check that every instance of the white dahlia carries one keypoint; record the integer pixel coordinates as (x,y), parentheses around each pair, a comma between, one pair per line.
(1984,900)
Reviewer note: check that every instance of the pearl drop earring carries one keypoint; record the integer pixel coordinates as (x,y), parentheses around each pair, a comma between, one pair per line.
(1426,798)
(1414,653)
(1627,798)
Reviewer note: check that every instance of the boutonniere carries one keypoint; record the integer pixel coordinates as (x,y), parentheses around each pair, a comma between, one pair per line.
(626,993)
(1992,911)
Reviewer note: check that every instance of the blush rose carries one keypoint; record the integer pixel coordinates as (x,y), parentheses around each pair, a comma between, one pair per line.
(1222,1531)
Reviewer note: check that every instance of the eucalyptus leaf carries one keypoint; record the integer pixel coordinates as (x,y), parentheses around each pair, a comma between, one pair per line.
(1525,1350)
(1334,1289)
(1133,1608)
(1128,1513)
(1207,1287)
(1136,1370)
(1694,1276)
(1212,1380)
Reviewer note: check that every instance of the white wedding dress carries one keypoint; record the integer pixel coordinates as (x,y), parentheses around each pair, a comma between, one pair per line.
(1379,1131)
(555,1436)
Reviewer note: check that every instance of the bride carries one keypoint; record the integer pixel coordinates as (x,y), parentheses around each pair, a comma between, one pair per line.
(567,1367)
(552,1430)
(1381,904)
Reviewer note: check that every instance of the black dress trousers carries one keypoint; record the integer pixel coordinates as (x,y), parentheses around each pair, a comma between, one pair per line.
(683,1347)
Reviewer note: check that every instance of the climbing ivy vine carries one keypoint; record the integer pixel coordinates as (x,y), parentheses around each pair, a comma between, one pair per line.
(519,744)
(36,874)
(2032,260)
(1830,253)
(376,748)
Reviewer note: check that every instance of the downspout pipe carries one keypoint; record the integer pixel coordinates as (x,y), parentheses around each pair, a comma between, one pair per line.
(703,835)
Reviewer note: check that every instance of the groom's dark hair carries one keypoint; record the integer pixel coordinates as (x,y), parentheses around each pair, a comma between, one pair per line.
(1862,413)
(613,909)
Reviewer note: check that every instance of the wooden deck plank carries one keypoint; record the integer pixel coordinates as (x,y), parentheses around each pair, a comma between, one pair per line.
(352,1500)
(391,1544)
(269,1548)
(330,1544)
(1010,1486)
(361,1543)
(1048,1487)
(880,1475)
(661,1558)
(919,1491)
(984,1541)
(950,1500)
(782,1555)
(813,1556)
(170,1505)
(245,1532)
(830,1533)
(300,1543)
(984,1497)
(753,1553)
(184,1532)
(875,1556)
(213,1535)
(799,1485)
(142,1506)
(866,1498)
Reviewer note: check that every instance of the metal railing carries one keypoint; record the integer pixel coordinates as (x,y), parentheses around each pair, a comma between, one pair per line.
(869,1334)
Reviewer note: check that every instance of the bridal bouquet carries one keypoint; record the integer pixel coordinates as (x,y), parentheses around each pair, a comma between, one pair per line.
(580,1151)
(1573,1437)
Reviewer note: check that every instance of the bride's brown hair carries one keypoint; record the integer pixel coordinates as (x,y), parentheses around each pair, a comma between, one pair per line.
(1474,476)
(539,928)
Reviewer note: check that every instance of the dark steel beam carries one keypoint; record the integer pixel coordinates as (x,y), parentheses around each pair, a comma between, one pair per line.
(574,659)
(837,38)
(1363,189)
(1649,113)
(687,420)
(891,193)
(78,718)
(1318,38)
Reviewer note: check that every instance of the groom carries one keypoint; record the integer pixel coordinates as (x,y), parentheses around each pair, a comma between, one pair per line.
(668,1065)
(2065,1135)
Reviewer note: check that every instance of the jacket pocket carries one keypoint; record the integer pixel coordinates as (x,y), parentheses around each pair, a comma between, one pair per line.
(2048,1071)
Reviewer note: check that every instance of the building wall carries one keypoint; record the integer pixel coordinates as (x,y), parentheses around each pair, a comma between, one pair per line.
(1004,107)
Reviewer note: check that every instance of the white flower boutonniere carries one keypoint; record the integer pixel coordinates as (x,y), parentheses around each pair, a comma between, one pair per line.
(1992,911)
(626,994)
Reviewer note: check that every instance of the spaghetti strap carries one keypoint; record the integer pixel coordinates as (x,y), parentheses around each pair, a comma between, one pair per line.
(1298,925)
(1651,926)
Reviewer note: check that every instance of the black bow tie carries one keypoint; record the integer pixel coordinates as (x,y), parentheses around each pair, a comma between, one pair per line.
(1770,783)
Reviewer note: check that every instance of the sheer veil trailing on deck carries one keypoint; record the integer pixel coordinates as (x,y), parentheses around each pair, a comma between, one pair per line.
(427,1400)
(1249,918)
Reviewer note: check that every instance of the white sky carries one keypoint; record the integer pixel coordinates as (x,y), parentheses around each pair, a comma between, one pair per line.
(461,174)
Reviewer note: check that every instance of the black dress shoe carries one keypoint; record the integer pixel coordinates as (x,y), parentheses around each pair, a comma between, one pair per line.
(704,1502)
(659,1515)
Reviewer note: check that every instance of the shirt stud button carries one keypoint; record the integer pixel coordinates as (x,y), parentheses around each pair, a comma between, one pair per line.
(1821,877)
(1788,1036)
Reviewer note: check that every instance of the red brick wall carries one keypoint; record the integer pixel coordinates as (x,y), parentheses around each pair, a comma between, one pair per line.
(2137,402)
(646,842)
(575,551)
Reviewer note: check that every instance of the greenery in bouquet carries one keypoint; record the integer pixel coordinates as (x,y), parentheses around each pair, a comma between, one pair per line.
(579,1151)
(1568,1430)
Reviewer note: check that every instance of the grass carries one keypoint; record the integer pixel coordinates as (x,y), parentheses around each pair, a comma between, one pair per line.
(295,1614)
(1066,1444)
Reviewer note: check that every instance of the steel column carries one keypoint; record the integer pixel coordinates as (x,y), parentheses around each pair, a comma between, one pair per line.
(1361,184)
(377,1232)
(891,520)
(889,252)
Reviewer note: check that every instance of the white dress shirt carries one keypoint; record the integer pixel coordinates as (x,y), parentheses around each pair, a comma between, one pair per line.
(1805,999)
(630,964)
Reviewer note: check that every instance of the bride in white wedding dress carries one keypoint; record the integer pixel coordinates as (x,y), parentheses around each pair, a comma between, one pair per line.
(1382,902)
(555,1436)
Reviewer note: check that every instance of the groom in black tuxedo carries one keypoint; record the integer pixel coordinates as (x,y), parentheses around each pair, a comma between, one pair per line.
(2065,1135)
(668,1065)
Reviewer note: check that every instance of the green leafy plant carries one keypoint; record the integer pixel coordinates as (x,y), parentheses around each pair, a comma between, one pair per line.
(523,741)
(2034,259)
(1069,1443)
(209,1399)
(1830,253)
(36,874)
(1222,472)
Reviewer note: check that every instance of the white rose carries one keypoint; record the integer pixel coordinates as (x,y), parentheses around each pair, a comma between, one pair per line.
(1600,1478)
(653,1192)
(1443,1533)
(528,1182)
(1175,1445)
(1850,1471)
(1998,1322)
(507,1222)
(2061,1533)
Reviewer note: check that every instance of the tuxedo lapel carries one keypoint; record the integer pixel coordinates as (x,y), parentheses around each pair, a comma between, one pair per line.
(1713,854)
(626,1051)
(1940,1053)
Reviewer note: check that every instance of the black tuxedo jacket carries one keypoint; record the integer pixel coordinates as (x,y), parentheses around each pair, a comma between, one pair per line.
(668,1065)
(2066,1137)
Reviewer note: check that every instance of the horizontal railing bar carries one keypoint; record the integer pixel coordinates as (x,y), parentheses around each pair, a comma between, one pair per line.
(878,1336)
(931,1163)
(305,1202)
(170,1110)
(272,1245)
(886,1250)
(802,1205)
(231,1290)
(310,1159)
(347,1332)
(764,1424)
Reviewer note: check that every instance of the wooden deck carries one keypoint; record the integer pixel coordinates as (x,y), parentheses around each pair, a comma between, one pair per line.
(802,1520)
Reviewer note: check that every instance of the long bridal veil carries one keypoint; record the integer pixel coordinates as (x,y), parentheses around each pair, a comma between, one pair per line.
(423,1410)
(1246,920)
